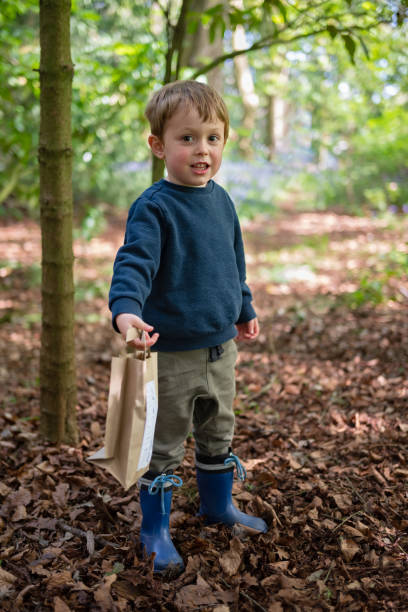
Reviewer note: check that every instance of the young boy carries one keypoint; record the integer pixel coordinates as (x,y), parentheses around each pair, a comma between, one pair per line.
(180,277)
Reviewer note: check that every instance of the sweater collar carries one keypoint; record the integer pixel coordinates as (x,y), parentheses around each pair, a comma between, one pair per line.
(198,191)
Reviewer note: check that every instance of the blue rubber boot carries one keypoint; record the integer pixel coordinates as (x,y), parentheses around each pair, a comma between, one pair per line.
(155,500)
(214,478)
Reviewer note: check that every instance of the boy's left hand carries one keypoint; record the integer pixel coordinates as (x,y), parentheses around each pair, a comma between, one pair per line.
(248,330)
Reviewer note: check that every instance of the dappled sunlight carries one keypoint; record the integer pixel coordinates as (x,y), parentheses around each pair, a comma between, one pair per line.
(317,223)
(19,244)
(98,247)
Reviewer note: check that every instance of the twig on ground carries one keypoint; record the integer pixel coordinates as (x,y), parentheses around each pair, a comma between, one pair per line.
(88,535)
(329,572)
(252,601)
(254,396)
(347,519)
(356,492)
(245,595)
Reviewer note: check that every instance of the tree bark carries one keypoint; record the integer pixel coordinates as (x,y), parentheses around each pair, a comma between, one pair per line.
(198,50)
(57,358)
(185,49)
(246,88)
(270,127)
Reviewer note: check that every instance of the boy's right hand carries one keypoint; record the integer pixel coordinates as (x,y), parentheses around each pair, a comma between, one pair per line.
(126,320)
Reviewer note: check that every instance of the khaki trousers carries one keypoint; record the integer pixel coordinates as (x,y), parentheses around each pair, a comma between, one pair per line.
(195,395)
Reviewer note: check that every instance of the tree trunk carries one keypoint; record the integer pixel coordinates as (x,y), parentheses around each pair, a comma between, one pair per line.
(184,49)
(157,168)
(246,88)
(198,49)
(57,359)
(270,127)
(278,113)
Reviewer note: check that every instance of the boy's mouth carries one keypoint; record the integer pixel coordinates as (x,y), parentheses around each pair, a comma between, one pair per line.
(200,166)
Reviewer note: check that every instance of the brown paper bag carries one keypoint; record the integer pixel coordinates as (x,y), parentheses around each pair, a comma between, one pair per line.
(131,417)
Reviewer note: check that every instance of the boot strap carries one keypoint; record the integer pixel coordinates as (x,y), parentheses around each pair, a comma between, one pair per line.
(159,484)
(222,463)
(241,471)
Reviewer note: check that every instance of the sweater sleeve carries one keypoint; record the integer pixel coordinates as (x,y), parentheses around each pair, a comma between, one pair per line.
(247,311)
(138,260)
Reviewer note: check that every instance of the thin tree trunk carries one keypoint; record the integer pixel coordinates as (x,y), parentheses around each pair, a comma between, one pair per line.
(157,168)
(57,359)
(175,42)
(270,127)
(246,88)
(199,50)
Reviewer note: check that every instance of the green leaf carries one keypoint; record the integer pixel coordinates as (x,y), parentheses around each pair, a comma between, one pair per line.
(116,569)
(333,31)
(350,45)
(217,23)
(89,15)
(193,22)
(281,7)
(365,48)
(217,9)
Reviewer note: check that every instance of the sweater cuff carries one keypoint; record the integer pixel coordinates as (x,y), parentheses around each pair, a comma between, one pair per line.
(247,312)
(124,305)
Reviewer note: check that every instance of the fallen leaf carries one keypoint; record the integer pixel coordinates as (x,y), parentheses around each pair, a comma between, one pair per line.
(96,429)
(59,580)
(315,576)
(60,605)
(353,586)
(276,606)
(343,501)
(6,582)
(282,553)
(231,560)
(21,497)
(355,533)
(294,464)
(4,489)
(348,548)
(45,467)
(192,596)
(60,495)
(19,514)
(288,582)
(102,595)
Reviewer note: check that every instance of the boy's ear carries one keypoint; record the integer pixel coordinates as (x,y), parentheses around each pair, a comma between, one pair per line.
(156,146)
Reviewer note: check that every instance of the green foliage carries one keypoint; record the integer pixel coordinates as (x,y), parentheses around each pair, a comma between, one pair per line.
(372,174)
(119,50)
(359,133)
(87,291)
(93,222)
(374,287)
(369,291)
(19,95)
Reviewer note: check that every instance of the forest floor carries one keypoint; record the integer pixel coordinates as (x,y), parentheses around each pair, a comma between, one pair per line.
(321,427)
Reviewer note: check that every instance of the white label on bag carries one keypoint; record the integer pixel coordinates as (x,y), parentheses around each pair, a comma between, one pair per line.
(148,435)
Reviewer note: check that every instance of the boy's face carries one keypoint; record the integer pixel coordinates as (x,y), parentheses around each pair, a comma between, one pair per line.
(191,148)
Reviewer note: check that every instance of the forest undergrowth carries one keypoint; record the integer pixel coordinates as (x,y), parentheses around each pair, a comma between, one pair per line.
(321,428)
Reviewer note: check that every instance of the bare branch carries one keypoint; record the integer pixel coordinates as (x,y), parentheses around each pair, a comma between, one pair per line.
(267,41)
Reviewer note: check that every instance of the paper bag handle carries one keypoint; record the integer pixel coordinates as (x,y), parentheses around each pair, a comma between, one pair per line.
(133,333)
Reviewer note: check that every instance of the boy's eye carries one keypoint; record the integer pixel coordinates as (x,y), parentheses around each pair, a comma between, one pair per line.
(214,138)
(187,138)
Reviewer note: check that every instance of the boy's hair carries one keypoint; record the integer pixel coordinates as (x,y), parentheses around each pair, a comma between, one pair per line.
(166,101)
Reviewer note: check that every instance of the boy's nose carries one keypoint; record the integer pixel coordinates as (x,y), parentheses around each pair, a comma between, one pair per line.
(202,147)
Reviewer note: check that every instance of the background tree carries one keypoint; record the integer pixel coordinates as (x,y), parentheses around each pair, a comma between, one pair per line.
(270,24)
(57,360)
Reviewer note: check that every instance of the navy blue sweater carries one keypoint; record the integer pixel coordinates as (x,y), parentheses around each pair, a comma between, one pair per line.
(182,268)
